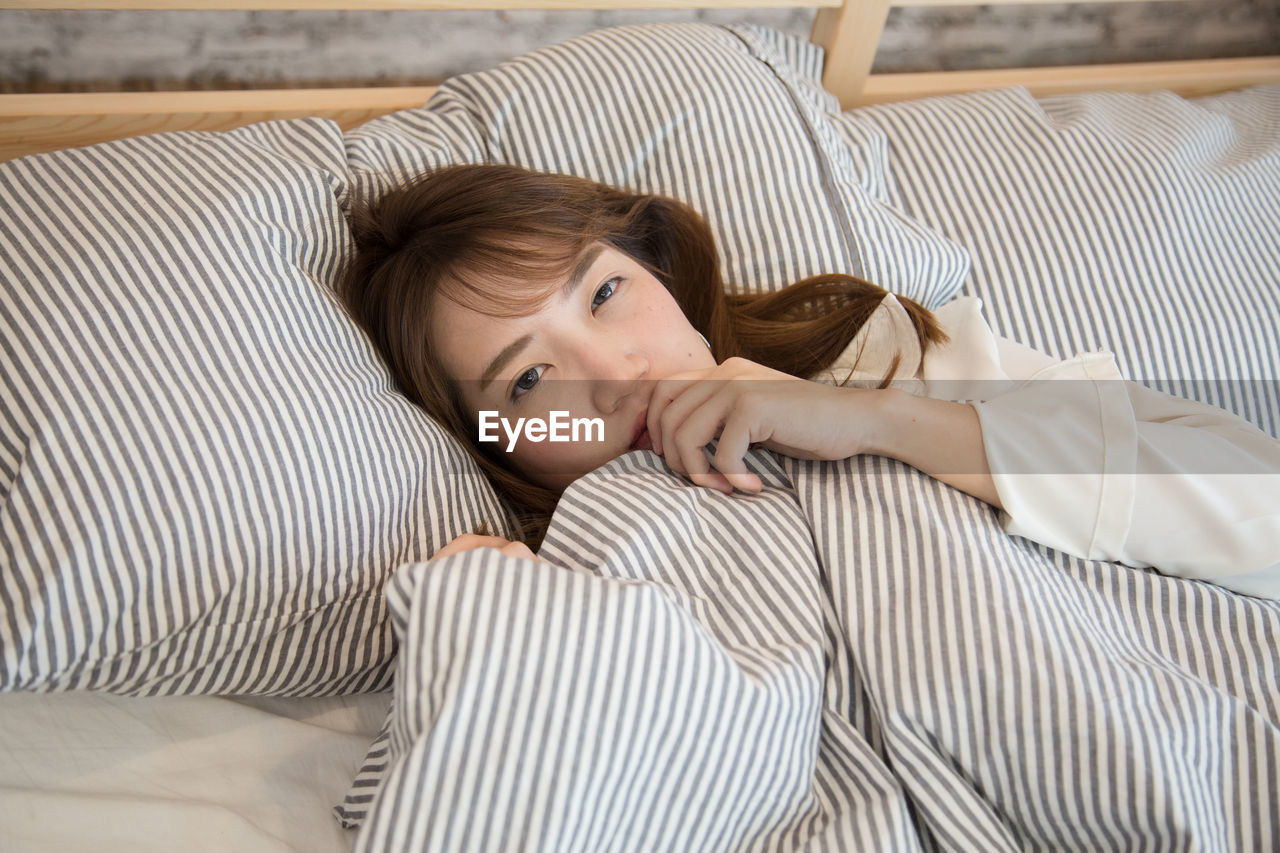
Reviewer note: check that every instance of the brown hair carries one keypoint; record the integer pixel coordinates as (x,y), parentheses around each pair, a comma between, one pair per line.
(461,230)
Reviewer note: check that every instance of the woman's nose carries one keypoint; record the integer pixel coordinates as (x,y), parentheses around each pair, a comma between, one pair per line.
(616,376)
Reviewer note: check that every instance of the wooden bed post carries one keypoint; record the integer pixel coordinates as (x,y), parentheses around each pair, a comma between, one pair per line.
(849,34)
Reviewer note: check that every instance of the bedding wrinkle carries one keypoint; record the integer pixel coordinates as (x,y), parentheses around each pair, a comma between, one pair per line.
(820,137)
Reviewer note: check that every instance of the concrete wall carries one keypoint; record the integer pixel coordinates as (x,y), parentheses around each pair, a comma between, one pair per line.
(53,50)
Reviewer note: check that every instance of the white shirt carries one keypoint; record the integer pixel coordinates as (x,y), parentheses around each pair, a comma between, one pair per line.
(1089,463)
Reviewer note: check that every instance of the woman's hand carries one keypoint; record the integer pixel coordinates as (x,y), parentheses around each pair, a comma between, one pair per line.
(745,403)
(471,541)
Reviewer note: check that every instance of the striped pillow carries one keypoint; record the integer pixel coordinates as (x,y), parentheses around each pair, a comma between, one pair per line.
(1144,224)
(205,476)
(732,120)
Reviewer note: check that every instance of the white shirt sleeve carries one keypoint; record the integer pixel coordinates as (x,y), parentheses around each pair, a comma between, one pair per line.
(1100,467)
(1089,463)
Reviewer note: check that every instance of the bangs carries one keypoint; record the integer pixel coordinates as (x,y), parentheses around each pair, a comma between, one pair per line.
(510,279)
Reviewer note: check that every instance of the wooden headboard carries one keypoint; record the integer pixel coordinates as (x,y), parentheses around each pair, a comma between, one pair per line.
(849,30)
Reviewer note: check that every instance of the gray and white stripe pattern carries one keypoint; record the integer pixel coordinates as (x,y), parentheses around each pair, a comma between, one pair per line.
(884,668)
(1148,225)
(732,121)
(1080,704)
(205,476)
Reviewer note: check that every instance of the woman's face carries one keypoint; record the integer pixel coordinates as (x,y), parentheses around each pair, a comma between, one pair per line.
(592,352)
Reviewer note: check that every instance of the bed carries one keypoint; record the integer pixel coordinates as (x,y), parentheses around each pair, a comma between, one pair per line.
(218,627)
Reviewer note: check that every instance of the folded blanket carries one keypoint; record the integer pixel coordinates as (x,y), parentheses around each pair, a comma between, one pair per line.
(859,657)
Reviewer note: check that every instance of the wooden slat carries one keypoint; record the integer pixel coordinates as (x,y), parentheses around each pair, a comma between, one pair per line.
(1190,78)
(850,36)
(30,124)
(298,100)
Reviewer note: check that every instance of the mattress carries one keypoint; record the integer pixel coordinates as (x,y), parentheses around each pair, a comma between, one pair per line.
(115,773)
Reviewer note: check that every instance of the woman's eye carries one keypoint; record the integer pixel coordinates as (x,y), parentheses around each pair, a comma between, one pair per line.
(525,382)
(605,292)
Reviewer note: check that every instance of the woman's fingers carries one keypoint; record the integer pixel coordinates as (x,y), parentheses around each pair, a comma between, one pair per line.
(518,549)
(689,424)
(740,403)
(739,432)
(731,414)
(667,391)
(736,421)
(471,541)
(713,480)
(671,404)
(467,542)
(698,428)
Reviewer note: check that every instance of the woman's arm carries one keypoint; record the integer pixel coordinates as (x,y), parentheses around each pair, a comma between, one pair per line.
(1076,458)
(941,438)
(743,403)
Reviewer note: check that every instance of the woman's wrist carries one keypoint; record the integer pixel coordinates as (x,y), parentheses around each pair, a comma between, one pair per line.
(941,438)
(888,408)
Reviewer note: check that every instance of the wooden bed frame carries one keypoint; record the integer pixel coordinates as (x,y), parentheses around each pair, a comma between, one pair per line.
(849,30)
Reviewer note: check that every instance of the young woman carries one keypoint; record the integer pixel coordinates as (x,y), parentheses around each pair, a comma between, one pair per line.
(501,296)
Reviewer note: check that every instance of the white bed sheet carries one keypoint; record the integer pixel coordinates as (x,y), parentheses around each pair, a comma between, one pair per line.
(89,771)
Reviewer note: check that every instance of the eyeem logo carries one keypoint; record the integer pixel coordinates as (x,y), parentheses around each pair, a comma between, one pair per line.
(560,428)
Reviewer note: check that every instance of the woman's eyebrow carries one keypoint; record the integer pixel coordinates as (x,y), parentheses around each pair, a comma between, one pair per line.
(583,266)
(509,352)
(513,349)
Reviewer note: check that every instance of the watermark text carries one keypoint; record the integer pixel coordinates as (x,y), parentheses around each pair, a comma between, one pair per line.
(559,427)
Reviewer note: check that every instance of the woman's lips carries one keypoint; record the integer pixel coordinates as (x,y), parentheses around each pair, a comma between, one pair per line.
(640,436)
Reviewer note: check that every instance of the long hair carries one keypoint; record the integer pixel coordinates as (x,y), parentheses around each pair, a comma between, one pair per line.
(461,230)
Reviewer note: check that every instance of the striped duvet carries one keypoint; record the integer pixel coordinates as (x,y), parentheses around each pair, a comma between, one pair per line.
(858,658)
